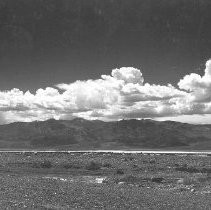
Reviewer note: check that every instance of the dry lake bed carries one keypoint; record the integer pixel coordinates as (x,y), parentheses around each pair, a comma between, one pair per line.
(105,180)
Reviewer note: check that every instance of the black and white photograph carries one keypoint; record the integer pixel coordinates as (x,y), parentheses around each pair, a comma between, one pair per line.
(105,104)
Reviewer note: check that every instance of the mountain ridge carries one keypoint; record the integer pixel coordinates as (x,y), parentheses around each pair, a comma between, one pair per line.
(80,133)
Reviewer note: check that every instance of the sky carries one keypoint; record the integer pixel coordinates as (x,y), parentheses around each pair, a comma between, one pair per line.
(106,60)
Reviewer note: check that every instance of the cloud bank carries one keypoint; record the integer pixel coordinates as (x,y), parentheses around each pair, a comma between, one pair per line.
(123,94)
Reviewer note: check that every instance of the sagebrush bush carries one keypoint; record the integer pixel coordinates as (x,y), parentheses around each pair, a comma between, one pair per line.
(44,164)
(187,181)
(119,171)
(193,169)
(93,166)
(157,179)
(129,179)
(107,165)
(70,165)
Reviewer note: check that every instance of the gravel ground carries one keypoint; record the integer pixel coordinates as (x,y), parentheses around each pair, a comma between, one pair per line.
(25,183)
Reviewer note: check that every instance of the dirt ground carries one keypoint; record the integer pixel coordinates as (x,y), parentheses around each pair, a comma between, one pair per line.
(104,181)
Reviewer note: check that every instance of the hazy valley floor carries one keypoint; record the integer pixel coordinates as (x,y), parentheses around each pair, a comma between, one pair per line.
(87,180)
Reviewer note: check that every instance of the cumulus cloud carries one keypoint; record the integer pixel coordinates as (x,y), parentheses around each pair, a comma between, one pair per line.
(199,86)
(128,75)
(123,94)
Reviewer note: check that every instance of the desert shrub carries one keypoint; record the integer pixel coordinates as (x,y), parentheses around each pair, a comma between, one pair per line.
(27,154)
(93,166)
(35,165)
(70,165)
(131,158)
(202,179)
(193,169)
(107,165)
(187,169)
(119,171)
(157,179)
(44,164)
(187,181)
(128,179)
(127,158)
(206,170)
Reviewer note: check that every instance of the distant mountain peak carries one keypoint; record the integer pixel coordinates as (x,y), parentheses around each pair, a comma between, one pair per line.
(50,120)
(79,119)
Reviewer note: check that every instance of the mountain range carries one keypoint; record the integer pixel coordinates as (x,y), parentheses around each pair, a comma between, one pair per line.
(81,134)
